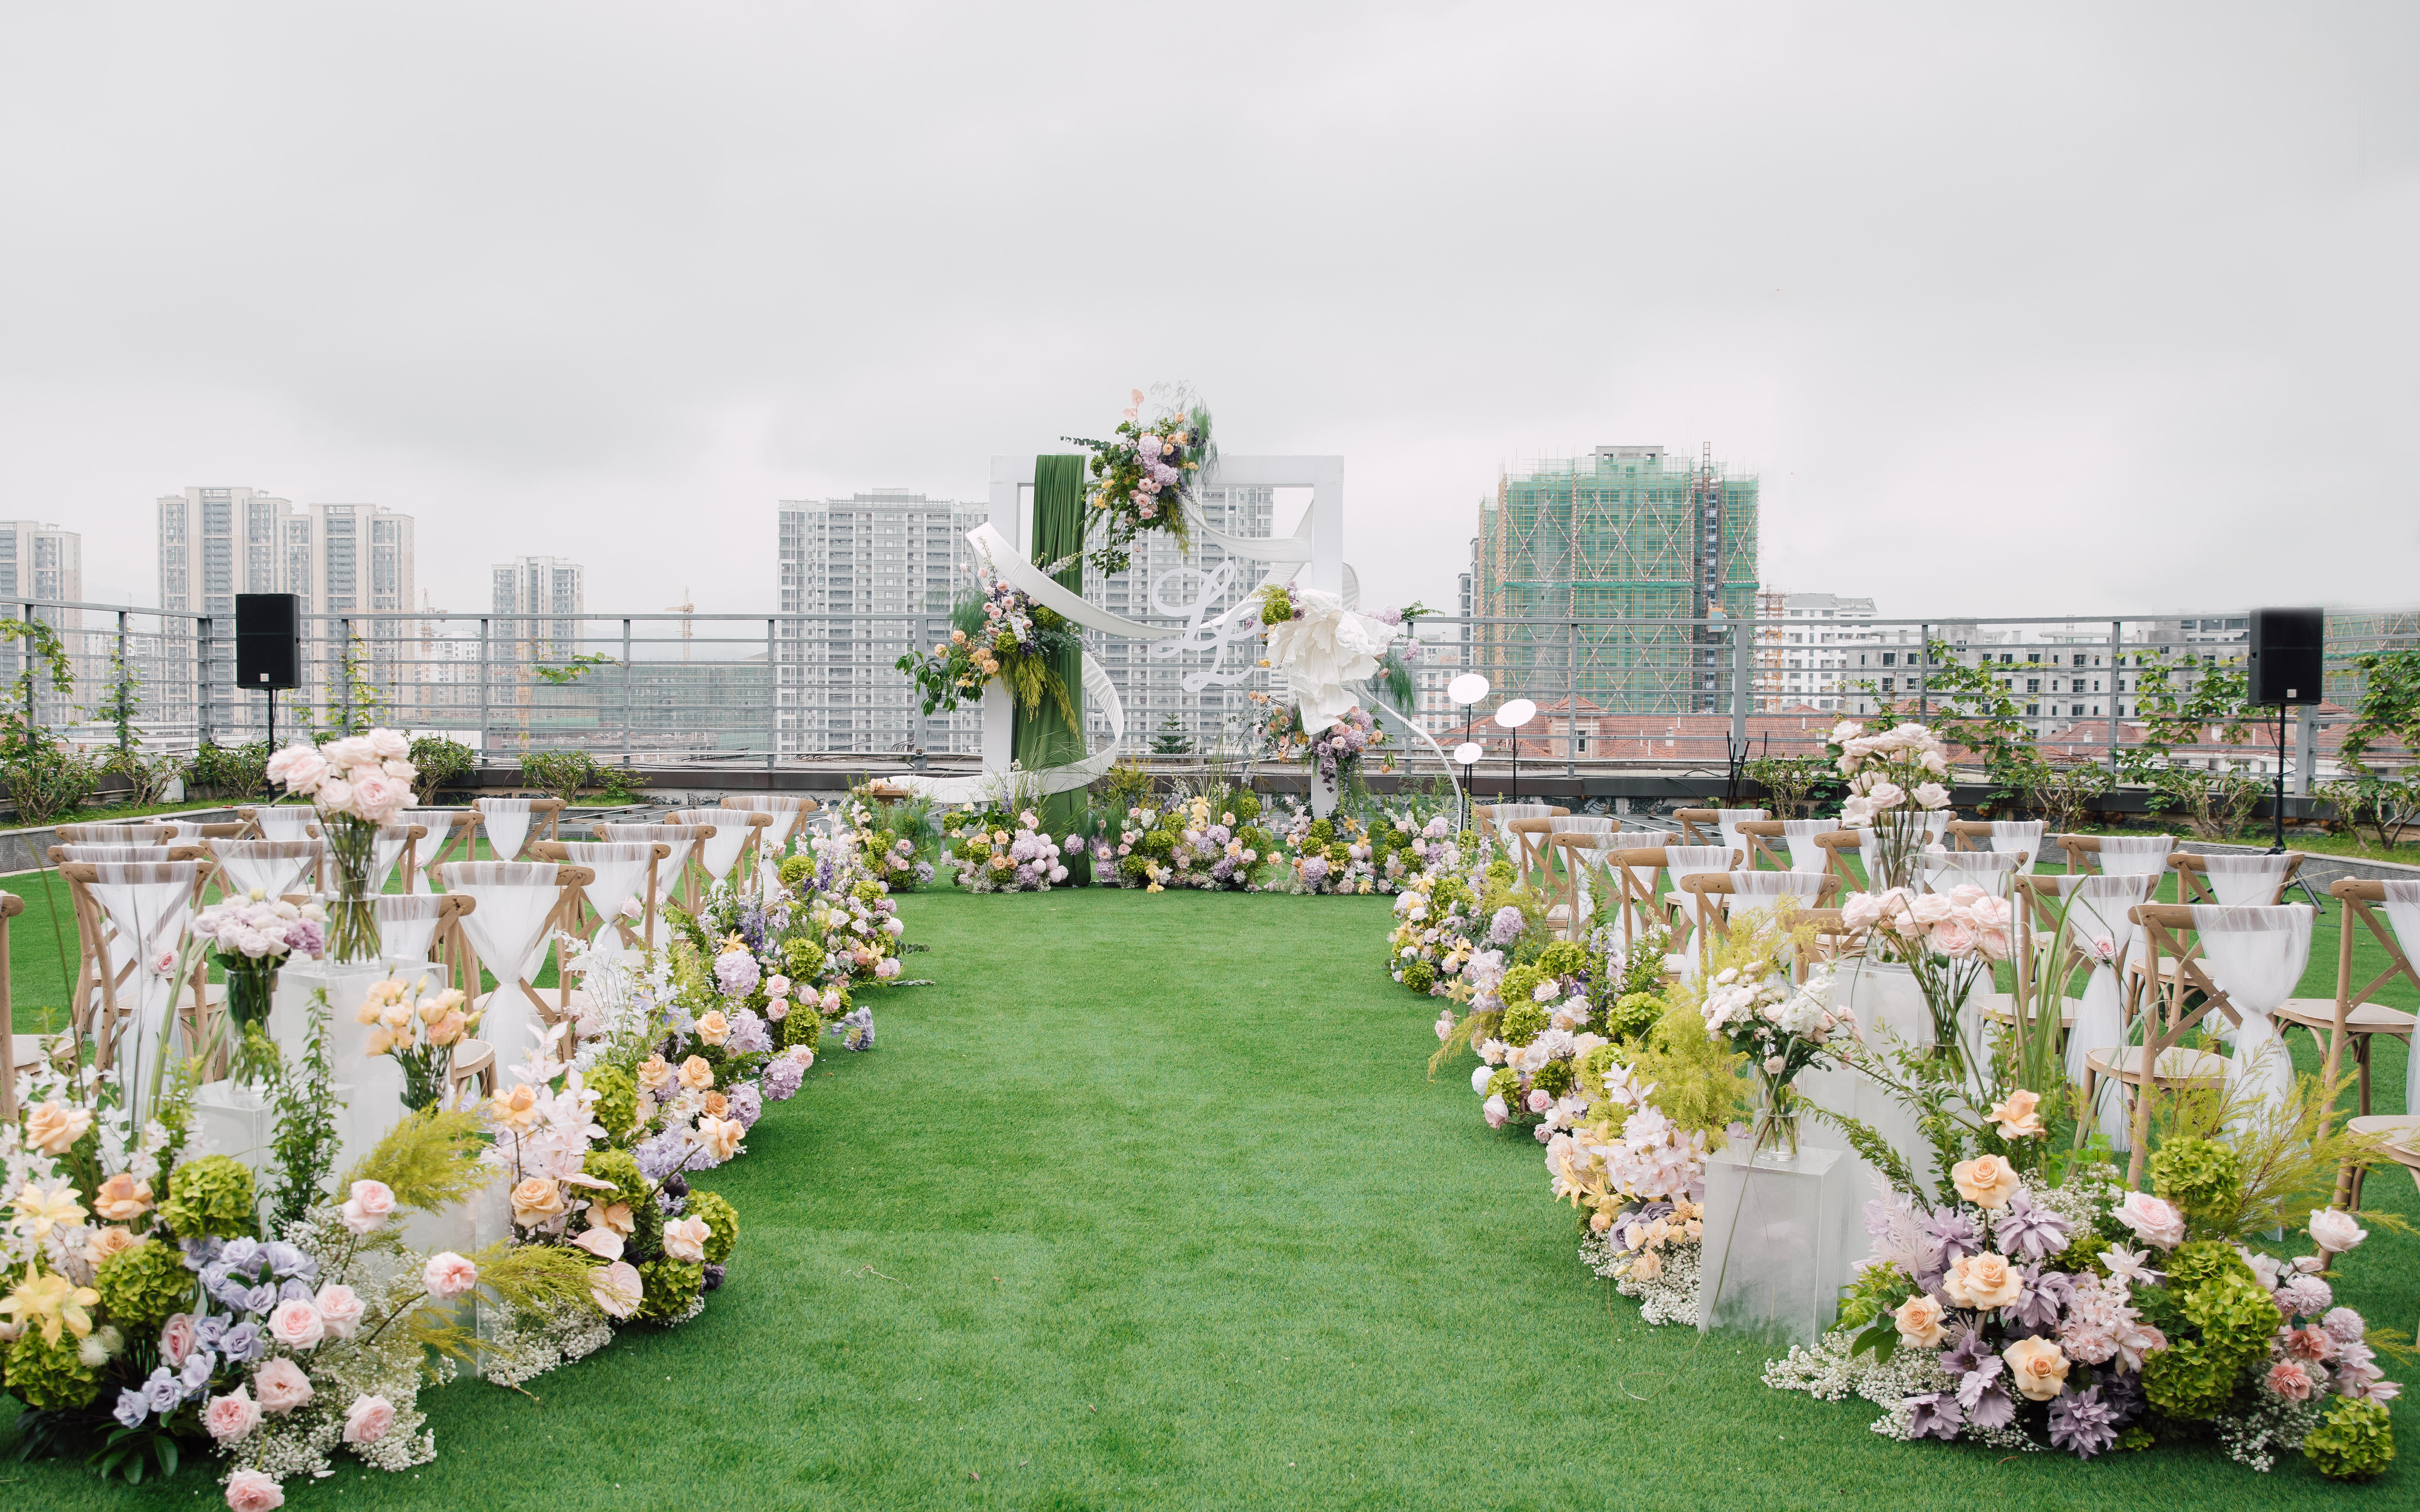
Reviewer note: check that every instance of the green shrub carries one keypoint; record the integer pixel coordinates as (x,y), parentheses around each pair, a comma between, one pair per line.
(617,1101)
(439,762)
(2198,1175)
(560,774)
(46,780)
(236,772)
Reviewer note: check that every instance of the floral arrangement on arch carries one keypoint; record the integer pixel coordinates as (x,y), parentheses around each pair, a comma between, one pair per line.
(1003,636)
(1335,753)
(1142,475)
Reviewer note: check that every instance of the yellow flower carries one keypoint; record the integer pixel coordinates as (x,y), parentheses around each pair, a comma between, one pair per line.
(50,1301)
(54,1127)
(40,1211)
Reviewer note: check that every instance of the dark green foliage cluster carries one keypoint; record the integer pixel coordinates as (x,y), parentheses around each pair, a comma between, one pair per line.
(2219,1319)
(49,1373)
(667,1287)
(1556,1077)
(721,1225)
(229,771)
(437,762)
(1523,1021)
(1878,1288)
(2356,1442)
(142,1284)
(210,1196)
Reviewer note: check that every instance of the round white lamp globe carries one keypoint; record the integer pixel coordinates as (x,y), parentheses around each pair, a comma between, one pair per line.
(1466,689)
(1517,713)
(1468,753)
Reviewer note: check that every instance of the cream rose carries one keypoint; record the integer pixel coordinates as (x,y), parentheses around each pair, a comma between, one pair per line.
(536,1200)
(1987,1181)
(2018,1116)
(2038,1366)
(122,1197)
(684,1239)
(714,1029)
(719,1137)
(2335,1230)
(1920,1321)
(1983,1281)
(696,1074)
(516,1107)
(654,1075)
(54,1127)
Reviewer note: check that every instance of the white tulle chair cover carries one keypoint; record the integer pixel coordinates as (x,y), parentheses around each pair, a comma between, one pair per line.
(2256,953)
(683,838)
(439,824)
(1682,862)
(621,867)
(2133,854)
(1754,890)
(272,867)
(1729,820)
(2019,835)
(160,832)
(1995,874)
(2100,912)
(507,824)
(507,928)
(148,903)
(1501,814)
(2402,908)
(285,821)
(2241,880)
(407,924)
(386,849)
(182,829)
(113,853)
(1799,835)
(720,851)
(1592,862)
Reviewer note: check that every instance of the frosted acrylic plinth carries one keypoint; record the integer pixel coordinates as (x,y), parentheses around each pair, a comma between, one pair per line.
(1772,1243)
(237,1120)
(370,1099)
(1884,996)
(1324,794)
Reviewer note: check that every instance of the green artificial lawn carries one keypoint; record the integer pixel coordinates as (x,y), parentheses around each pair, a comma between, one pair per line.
(1149,1203)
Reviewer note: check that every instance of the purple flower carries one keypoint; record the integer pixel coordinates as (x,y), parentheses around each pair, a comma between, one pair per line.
(2036,1233)
(132,1408)
(1935,1414)
(1955,1233)
(243,1341)
(1993,1407)
(2306,1296)
(738,973)
(2344,1325)
(162,1394)
(1315,871)
(306,937)
(661,1155)
(2081,1422)
(1970,1355)
(2044,1297)
(782,1078)
(747,1104)
(1506,926)
(749,1036)
(857,1029)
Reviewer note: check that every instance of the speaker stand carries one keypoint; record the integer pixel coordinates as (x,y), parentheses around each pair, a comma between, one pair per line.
(2278,804)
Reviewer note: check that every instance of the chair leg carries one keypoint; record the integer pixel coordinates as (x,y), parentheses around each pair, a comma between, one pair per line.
(2360,1069)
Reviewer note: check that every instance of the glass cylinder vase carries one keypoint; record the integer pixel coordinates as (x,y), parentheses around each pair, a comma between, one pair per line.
(252,1056)
(352,917)
(1774,1131)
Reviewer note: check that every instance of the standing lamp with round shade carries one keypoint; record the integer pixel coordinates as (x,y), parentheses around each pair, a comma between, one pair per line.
(1468,753)
(1513,715)
(1466,689)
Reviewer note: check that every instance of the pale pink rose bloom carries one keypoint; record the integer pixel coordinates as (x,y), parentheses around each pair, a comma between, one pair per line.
(602,1243)
(177,1338)
(231,1417)
(347,753)
(339,1310)
(1954,940)
(448,1275)
(1857,812)
(295,1323)
(1886,796)
(281,1384)
(2291,1380)
(2335,1230)
(388,745)
(1932,796)
(368,1205)
(2153,1220)
(1862,911)
(1930,909)
(1992,913)
(297,768)
(684,1239)
(1994,943)
(1966,895)
(1541,1100)
(615,1288)
(335,795)
(379,798)
(1495,1112)
(249,1490)
(367,1420)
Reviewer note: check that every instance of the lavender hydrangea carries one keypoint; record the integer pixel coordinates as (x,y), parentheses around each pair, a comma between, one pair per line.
(746,1103)
(782,1078)
(749,1035)
(857,1028)
(738,973)
(663,1154)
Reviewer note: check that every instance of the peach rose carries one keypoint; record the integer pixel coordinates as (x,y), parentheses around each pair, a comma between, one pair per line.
(537,1200)
(231,1417)
(281,1384)
(654,1075)
(685,1239)
(1983,1281)
(515,1108)
(249,1490)
(368,1205)
(105,1243)
(2038,1366)
(2018,1117)
(719,1137)
(1987,1181)
(613,1215)
(714,1029)
(615,1288)
(367,1420)
(122,1197)
(296,1324)
(340,1310)
(448,1275)
(54,1127)
(1920,1321)
(716,1103)
(696,1074)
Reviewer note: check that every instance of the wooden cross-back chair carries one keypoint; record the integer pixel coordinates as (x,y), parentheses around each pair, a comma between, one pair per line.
(1704,826)
(2038,904)
(260,819)
(781,812)
(2354,1018)
(1586,880)
(94,935)
(700,879)
(1490,818)
(2084,851)
(116,835)
(13,1056)
(93,1011)
(453,836)
(588,907)
(1638,876)
(1839,845)
(2193,882)
(1761,840)
(2163,1062)
(673,877)
(1834,939)
(569,883)
(1552,872)
(1677,907)
(1717,891)
(545,820)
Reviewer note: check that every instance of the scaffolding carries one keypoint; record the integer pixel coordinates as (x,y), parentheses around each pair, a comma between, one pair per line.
(1627,532)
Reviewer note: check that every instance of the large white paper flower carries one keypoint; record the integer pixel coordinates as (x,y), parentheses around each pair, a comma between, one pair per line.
(1327,647)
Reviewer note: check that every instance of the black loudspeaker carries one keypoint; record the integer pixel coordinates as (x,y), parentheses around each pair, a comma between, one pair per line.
(267,640)
(2288,652)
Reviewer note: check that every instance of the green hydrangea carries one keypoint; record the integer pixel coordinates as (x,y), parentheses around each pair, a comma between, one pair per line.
(142,1284)
(2356,1442)
(1506,1084)
(804,959)
(1518,985)
(210,1196)
(666,1288)
(1257,841)
(1322,831)
(1246,806)
(46,1374)
(795,870)
(1450,893)
(1556,1077)
(1419,977)
(721,1223)
(617,1101)
(1157,844)
(1523,1021)
(2190,1267)
(1131,866)
(1340,855)
(2199,1175)
(1500,875)
(1564,958)
(1878,1288)
(1277,606)
(868,891)
(801,1026)
(2217,1328)
(1633,1015)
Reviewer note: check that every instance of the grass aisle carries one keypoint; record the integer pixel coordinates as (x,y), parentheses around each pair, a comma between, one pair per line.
(1148,1204)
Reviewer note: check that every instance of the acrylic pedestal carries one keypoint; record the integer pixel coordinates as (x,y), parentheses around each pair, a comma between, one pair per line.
(369,1088)
(1772,1243)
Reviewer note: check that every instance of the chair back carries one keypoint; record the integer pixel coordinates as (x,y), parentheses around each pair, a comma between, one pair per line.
(1994,871)
(10,907)
(272,867)
(521,905)
(453,836)
(279,821)
(2363,898)
(1718,897)
(2228,878)
(725,853)
(672,872)
(2116,852)
(116,834)
(2258,951)
(625,871)
(509,822)
(1490,818)
(420,926)
(128,915)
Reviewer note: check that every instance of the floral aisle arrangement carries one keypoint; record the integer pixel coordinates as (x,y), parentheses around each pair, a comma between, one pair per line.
(1407,846)
(1322,856)
(1435,933)
(1145,474)
(251,937)
(994,852)
(1212,842)
(1949,942)
(893,835)
(1005,636)
(357,784)
(1779,1027)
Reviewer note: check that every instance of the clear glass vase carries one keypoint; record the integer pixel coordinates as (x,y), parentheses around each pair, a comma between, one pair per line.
(1774,1131)
(252,1056)
(352,917)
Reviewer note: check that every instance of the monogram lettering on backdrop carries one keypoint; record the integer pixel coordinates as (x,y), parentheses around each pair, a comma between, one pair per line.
(1200,632)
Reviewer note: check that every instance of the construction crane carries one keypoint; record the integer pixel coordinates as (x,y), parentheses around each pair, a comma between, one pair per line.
(684,610)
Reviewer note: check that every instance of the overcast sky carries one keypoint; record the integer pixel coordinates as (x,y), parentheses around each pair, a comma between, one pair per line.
(2017,309)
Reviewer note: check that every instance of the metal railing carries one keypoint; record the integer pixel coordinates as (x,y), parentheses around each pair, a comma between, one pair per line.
(659,689)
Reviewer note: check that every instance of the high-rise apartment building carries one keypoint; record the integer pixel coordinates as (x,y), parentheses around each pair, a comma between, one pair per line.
(1628,533)
(1802,643)
(39,562)
(541,599)
(1152,687)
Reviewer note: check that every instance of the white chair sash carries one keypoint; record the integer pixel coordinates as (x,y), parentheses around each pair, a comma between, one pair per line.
(271,868)
(1799,835)
(621,867)
(1941,870)
(144,834)
(2099,911)
(2256,953)
(439,824)
(1729,820)
(2019,835)
(2402,908)
(718,852)
(285,821)
(1754,890)
(510,901)
(2241,880)
(386,849)
(1501,814)
(2123,855)
(1936,824)
(507,824)
(113,853)
(407,924)
(1682,862)
(148,903)
(681,837)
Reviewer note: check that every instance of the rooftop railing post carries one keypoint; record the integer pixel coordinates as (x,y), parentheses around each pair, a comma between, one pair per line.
(773,696)
(1572,701)
(205,725)
(1741,630)
(1924,672)
(625,691)
(2117,644)
(344,710)
(2306,749)
(483,685)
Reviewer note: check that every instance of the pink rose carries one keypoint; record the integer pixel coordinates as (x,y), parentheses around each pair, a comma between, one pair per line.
(1932,909)
(349,752)
(231,1417)
(335,795)
(1541,1100)
(2291,1380)
(339,1310)
(2333,1230)
(448,1275)
(367,1420)
(370,1204)
(1862,911)
(1953,941)
(388,745)
(2153,1221)
(379,798)
(295,1323)
(281,1384)
(615,1288)
(1885,796)
(297,768)
(1495,1112)
(249,1490)
(684,1239)
(177,1338)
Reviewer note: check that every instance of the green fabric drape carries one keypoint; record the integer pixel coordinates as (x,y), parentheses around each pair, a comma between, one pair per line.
(1043,738)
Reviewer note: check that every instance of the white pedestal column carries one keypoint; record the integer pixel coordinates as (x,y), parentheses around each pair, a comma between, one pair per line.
(370,1088)
(1771,1258)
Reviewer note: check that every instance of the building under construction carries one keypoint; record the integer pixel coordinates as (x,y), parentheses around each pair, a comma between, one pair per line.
(1629,534)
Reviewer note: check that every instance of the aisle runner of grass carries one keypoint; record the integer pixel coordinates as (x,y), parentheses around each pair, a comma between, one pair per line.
(1149,1205)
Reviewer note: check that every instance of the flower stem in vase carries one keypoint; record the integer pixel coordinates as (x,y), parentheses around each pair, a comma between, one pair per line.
(352,917)
(1776,1117)
(253,1058)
